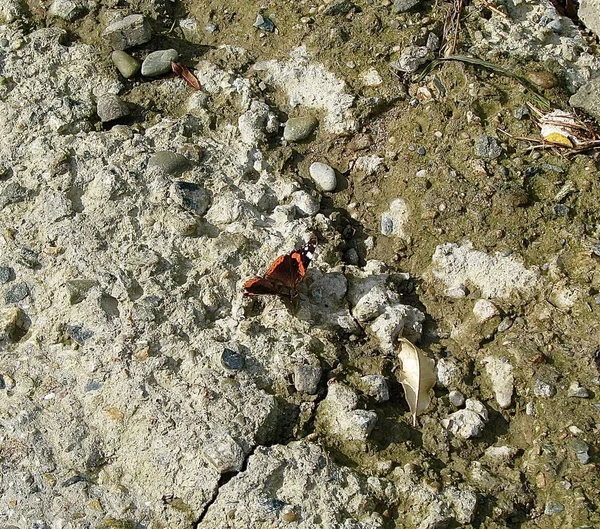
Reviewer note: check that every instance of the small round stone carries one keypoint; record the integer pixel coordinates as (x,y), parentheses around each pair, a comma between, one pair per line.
(297,129)
(324,176)
(168,162)
(159,62)
(232,360)
(351,257)
(487,148)
(456,398)
(543,389)
(111,107)
(127,65)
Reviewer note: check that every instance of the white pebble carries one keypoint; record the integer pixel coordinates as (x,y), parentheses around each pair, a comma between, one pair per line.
(324,176)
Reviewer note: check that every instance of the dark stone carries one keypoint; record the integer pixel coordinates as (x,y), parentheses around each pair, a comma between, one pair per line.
(72,480)
(78,333)
(487,148)
(12,193)
(595,251)
(339,7)
(264,23)
(17,293)
(421,151)
(531,171)
(168,162)
(7,274)
(28,258)
(273,504)
(232,360)
(561,210)
(193,197)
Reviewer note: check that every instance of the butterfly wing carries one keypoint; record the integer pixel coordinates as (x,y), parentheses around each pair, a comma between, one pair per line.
(284,274)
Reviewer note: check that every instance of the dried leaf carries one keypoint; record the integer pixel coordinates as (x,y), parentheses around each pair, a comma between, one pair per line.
(186,74)
(417,377)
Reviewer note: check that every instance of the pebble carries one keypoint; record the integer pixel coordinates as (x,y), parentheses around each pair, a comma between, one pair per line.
(232,360)
(28,258)
(17,293)
(553,507)
(581,449)
(224,454)
(6,274)
(464,423)
(324,176)
(264,23)
(132,30)
(351,257)
(168,162)
(544,80)
(127,65)
(193,197)
(500,374)
(78,333)
(401,6)
(485,310)
(575,390)
(457,292)
(111,107)
(448,373)
(66,9)
(487,148)
(543,389)
(338,7)
(159,62)
(376,386)
(306,378)
(305,203)
(412,58)
(456,398)
(561,210)
(360,425)
(299,128)
(521,112)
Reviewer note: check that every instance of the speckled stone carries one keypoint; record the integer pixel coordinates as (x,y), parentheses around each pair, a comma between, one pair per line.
(127,65)
(232,360)
(6,274)
(306,378)
(66,9)
(487,148)
(297,129)
(111,107)
(16,293)
(159,62)
(132,30)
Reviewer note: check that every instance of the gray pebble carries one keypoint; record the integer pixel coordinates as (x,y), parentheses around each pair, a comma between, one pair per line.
(168,162)
(306,378)
(211,27)
(421,151)
(596,250)
(264,23)
(6,274)
(553,507)
(505,324)
(232,360)
(127,65)
(543,389)
(28,258)
(324,176)
(338,7)
(351,257)
(575,390)
(401,6)
(224,454)
(159,62)
(487,147)
(132,30)
(17,293)
(297,129)
(66,9)
(387,224)
(111,107)
(77,333)
(521,112)
(581,449)
(376,386)
(561,210)
(456,398)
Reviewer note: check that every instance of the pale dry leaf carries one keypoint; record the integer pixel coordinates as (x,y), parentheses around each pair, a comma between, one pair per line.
(417,377)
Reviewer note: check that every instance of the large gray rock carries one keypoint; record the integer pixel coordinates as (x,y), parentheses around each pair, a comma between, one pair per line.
(588,97)
(589,14)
